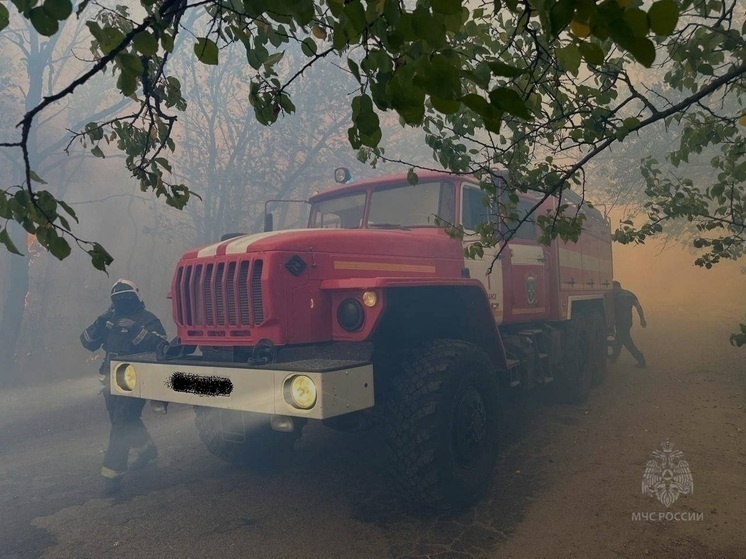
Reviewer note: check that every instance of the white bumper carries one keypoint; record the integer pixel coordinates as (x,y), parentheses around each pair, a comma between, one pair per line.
(255,390)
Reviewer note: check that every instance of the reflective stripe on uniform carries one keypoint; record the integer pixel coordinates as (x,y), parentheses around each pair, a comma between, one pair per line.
(87,336)
(108,473)
(140,337)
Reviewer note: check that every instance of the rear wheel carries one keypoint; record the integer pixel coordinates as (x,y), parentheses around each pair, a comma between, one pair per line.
(244,438)
(442,424)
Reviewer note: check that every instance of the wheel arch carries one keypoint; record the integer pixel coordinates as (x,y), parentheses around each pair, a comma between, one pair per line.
(419,313)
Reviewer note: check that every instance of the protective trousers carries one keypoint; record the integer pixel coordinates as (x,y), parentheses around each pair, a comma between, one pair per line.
(127,431)
(623,338)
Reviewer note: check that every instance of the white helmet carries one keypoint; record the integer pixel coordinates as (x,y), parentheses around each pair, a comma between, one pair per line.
(122,287)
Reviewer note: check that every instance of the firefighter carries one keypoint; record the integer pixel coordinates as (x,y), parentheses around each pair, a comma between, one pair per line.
(125,328)
(624,301)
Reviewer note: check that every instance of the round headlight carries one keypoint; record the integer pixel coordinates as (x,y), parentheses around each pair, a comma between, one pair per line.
(301,392)
(350,314)
(126,378)
(370,298)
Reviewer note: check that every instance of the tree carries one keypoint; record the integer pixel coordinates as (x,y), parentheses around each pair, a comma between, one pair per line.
(37,66)
(539,87)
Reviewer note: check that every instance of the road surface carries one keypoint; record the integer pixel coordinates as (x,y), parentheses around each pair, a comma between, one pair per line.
(568,485)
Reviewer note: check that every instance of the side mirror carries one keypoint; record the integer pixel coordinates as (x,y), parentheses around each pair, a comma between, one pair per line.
(268,222)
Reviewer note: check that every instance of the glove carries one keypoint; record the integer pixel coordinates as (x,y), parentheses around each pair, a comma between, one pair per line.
(103,318)
(126,323)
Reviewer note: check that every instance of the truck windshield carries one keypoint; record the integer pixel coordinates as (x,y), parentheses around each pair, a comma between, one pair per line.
(399,205)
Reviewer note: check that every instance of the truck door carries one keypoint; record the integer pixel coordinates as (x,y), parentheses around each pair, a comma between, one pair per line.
(527,269)
(474,212)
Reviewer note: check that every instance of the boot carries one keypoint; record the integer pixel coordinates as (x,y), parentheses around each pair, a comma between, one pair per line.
(144,456)
(112,486)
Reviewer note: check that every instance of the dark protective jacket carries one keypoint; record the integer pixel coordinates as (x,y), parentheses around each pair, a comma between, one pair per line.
(146,335)
(624,302)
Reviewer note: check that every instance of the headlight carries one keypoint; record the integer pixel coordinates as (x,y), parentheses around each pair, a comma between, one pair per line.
(126,378)
(350,315)
(300,392)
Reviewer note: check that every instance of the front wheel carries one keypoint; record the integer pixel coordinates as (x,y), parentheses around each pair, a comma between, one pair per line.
(442,424)
(244,438)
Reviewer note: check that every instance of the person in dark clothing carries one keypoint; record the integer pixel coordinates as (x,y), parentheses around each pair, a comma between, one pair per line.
(624,301)
(125,328)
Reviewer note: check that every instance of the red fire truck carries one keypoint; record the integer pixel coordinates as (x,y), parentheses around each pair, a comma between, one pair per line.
(372,316)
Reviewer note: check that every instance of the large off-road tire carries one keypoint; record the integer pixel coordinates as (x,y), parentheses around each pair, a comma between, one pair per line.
(577,362)
(598,348)
(442,424)
(244,438)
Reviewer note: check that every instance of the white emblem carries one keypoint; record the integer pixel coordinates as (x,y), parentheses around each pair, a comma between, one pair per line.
(667,475)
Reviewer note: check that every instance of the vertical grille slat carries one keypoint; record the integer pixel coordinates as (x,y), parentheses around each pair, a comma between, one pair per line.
(256,292)
(220,295)
(178,299)
(230,294)
(207,296)
(219,291)
(243,293)
(187,296)
(201,291)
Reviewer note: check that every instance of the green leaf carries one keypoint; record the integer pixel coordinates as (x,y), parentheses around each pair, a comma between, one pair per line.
(59,247)
(505,70)
(631,123)
(44,24)
(5,239)
(491,115)
(354,68)
(355,15)
(127,83)
(412,177)
(637,21)
(439,77)
(570,58)
(130,63)
(96,152)
(664,15)
(4,17)
(446,7)
(58,9)
(592,53)
(428,27)
(510,101)
(145,43)
(644,51)
(167,42)
(37,178)
(560,15)
(308,47)
(445,106)
(99,257)
(206,51)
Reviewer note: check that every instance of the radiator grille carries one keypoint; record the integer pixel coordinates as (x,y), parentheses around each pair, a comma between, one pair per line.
(222,294)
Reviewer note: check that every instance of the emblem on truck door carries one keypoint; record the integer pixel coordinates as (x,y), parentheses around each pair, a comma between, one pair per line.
(531,289)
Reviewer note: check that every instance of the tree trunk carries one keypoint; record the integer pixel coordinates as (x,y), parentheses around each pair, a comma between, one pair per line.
(15,291)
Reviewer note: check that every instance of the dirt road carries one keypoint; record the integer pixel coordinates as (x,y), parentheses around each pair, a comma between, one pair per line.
(567,486)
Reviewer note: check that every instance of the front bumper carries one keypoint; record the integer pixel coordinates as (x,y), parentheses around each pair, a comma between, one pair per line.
(340,389)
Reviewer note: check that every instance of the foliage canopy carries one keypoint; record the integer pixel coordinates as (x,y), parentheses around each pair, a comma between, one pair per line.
(538,87)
